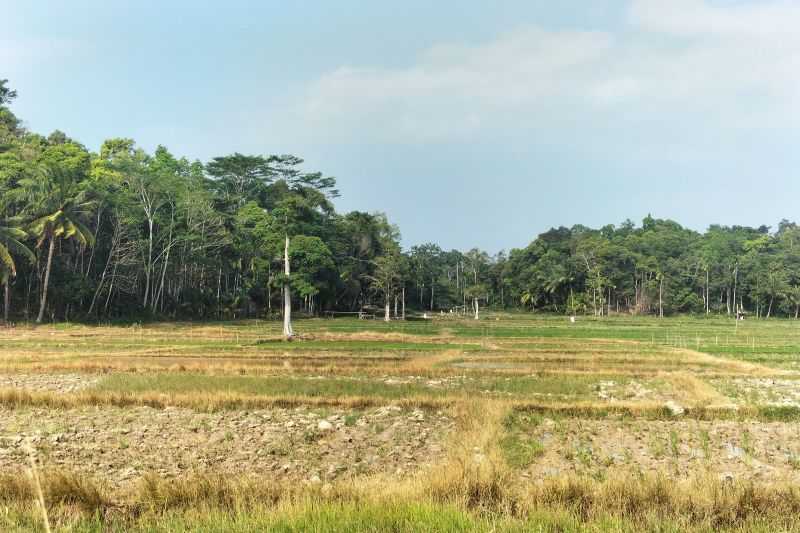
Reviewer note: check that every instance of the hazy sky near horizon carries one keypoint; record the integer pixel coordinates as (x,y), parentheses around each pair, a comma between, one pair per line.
(470,123)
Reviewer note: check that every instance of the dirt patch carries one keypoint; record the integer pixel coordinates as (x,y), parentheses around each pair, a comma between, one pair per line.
(118,446)
(761,391)
(633,390)
(49,382)
(384,336)
(444,382)
(678,449)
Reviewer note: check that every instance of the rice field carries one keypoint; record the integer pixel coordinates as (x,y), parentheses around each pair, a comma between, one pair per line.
(511,423)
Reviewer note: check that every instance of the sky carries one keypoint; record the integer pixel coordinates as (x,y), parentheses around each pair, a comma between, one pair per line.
(469,123)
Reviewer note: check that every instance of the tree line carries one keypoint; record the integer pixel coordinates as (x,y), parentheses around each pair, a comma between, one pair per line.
(123,234)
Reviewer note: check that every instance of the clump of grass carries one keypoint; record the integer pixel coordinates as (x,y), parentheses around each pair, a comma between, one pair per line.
(584,454)
(674,443)
(218,491)
(15,487)
(68,488)
(705,443)
(703,502)
(59,487)
(350,419)
(747,442)
(521,452)
(657,447)
(311,436)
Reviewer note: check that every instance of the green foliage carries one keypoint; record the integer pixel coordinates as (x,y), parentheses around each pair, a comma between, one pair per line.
(179,239)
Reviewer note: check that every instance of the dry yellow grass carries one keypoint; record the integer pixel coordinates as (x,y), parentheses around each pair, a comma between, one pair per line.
(206,401)
(732,365)
(475,475)
(695,392)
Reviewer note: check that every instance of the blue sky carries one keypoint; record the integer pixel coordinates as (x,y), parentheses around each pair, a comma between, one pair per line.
(469,123)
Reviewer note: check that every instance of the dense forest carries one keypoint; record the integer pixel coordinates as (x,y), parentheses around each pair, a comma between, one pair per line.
(123,234)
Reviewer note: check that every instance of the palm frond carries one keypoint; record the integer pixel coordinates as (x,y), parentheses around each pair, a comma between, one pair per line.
(18,248)
(85,235)
(7,261)
(12,233)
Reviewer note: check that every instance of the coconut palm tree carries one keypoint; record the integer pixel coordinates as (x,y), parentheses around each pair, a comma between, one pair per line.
(11,244)
(59,204)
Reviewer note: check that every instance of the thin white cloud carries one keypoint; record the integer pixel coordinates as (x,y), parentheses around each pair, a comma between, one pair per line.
(767,18)
(730,66)
(29,53)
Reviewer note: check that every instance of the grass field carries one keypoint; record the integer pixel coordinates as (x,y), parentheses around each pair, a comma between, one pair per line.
(510,423)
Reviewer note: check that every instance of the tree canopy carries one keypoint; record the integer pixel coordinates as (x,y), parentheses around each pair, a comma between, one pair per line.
(125,234)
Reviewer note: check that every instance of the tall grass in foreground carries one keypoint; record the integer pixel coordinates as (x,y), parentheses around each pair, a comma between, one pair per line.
(474,489)
(460,499)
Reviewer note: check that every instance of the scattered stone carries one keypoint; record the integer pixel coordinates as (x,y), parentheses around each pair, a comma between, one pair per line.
(280,442)
(734,452)
(674,408)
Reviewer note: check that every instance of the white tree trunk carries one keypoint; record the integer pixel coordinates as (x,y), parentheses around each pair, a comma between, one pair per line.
(386,316)
(404,303)
(43,303)
(475,305)
(160,292)
(149,265)
(7,301)
(287,295)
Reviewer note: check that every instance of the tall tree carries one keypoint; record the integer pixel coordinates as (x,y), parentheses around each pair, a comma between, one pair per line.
(61,205)
(11,244)
(241,178)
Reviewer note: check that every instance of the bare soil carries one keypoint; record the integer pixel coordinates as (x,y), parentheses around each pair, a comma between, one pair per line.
(117,446)
(49,382)
(761,391)
(678,449)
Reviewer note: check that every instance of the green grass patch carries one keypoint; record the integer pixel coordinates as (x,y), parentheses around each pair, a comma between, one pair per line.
(361,346)
(265,386)
(554,388)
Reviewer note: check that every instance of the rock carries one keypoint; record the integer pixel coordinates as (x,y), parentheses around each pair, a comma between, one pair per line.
(674,408)
(324,425)
(551,472)
(315,479)
(734,452)
(726,477)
